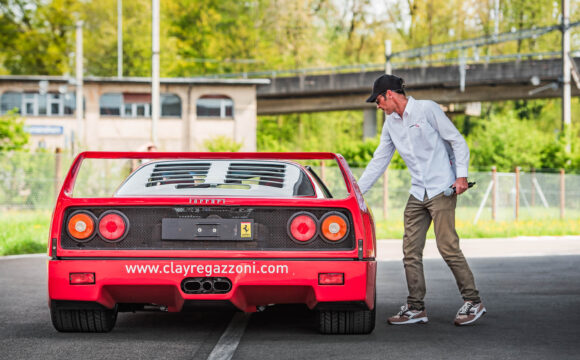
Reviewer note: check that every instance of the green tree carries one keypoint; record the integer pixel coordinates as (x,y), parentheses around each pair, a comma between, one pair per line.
(36,36)
(212,36)
(506,142)
(100,38)
(12,134)
(309,132)
(522,14)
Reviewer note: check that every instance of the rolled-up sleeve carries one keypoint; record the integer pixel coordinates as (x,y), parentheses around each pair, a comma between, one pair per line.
(377,166)
(449,133)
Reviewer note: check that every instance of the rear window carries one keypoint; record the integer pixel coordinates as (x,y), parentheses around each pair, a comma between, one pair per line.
(218,177)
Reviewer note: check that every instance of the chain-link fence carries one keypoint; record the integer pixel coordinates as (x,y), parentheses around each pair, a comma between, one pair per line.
(32,181)
(541,196)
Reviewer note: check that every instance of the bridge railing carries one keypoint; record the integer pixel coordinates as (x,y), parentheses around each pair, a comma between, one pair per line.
(428,51)
(475,59)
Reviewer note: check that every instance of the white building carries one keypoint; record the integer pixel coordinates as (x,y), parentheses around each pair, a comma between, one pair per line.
(117,115)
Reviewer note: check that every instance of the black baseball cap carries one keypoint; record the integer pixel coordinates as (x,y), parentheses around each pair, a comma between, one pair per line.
(384,83)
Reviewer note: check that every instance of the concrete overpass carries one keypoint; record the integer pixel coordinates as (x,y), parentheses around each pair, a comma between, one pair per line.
(348,91)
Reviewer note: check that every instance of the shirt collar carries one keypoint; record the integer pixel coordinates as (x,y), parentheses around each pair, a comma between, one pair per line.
(410,106)
(411,103)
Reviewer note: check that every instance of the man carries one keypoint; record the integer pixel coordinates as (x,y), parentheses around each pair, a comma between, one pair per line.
(437,157)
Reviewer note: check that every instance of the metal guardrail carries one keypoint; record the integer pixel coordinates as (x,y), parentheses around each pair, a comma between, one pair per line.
(396,65)
(421,52)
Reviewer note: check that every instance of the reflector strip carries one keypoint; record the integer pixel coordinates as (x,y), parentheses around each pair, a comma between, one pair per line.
(331,279)
(81,278)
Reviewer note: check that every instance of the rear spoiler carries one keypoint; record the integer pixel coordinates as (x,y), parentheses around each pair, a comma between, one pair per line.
(210,155)
(351,184)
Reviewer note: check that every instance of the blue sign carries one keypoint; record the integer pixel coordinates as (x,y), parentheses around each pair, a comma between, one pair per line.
(44,129)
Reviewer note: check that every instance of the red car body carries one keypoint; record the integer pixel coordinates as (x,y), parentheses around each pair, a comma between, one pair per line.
(87,285)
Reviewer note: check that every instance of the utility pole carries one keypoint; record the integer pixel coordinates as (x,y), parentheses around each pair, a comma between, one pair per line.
(120,38)
(496,18)
(462,70)
(79,81)
(388,53)
(566,119)
(155,71)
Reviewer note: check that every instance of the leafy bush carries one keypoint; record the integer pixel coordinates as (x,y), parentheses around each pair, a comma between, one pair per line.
(12,134)
(359,154)
(222,144)
(328,131)
(506,142)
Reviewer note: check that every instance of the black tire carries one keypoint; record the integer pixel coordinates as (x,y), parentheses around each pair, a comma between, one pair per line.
(347,322)
(83,320)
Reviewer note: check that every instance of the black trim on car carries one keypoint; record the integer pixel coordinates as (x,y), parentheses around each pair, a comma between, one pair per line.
(54,248)
(325,190)
(341,306)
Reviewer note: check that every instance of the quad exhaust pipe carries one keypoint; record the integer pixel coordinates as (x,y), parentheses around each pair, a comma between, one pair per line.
(208,285)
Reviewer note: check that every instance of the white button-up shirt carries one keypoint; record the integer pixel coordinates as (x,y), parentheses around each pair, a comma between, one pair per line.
(429,143)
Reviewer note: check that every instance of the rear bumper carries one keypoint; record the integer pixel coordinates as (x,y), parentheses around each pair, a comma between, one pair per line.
(254,282)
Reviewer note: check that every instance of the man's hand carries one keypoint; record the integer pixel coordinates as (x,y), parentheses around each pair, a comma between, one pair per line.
(460,185)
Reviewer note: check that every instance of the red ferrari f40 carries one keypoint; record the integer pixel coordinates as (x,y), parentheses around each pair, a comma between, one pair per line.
(170,231)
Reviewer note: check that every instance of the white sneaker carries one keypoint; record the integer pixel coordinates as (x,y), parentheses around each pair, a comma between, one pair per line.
(469,313)
(407,316)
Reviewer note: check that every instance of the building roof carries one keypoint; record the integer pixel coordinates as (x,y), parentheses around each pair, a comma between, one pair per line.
(135,80)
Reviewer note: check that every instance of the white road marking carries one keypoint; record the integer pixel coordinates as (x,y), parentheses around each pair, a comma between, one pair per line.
(228,342)
(489,248)
(8,257)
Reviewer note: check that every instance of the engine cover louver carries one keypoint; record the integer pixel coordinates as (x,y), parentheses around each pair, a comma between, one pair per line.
(258,174)
(178,173)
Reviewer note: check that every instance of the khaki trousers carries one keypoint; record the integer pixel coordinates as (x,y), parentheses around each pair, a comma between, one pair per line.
(418,216)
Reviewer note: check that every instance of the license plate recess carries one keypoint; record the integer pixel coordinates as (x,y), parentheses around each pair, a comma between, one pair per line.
(208,229)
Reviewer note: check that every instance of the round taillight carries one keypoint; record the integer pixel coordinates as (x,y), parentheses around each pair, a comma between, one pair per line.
(302,227)
(113,226)
(81,226)
(334,227)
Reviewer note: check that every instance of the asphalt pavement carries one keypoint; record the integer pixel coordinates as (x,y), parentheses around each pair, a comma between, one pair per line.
(532,301)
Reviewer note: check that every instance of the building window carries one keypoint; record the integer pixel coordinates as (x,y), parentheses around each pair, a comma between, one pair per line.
(170,105)
(219,106)
(35,104)
(110,104)
(11,101)
(30,105)
(138,105)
